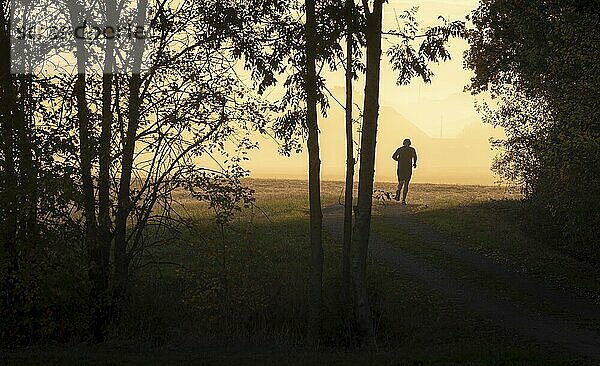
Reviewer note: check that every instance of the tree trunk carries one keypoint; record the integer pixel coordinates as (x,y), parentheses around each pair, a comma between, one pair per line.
(104,150)
(8,203)
(85,150)
(27,217)
(86,154)
(124,200)
(347,239)
(314,170)
(366,174)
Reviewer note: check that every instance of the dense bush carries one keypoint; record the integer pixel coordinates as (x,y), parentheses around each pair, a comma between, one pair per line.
(47,299)
(538,59)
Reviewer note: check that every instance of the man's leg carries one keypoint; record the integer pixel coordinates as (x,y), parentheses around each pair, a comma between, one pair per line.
(398,190)
(400,182)
(405,191)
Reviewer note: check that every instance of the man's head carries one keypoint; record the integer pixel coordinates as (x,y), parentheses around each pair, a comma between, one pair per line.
(406,142)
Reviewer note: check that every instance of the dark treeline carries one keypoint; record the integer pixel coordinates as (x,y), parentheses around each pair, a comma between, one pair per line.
(540,59)
(91,157)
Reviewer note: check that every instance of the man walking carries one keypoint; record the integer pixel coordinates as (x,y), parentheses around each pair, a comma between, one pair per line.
(406,156)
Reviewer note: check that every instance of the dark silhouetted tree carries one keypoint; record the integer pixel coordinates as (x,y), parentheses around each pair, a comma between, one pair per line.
(409,63)
(314,175)
(539,58)
(115,144)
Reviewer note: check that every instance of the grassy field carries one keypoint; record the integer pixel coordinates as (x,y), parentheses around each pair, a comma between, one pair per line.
(239,296)
(490,222)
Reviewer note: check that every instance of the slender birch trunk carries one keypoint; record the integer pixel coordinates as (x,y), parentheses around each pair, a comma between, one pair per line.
(123,197)
(8,203)
(104,150)
(314,171)
(347,239)
(367,173)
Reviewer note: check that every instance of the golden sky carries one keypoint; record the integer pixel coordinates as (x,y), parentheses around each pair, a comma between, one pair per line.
(440,118)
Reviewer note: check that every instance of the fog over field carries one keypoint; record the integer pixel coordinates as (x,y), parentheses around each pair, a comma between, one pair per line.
(440,118)
(464,157)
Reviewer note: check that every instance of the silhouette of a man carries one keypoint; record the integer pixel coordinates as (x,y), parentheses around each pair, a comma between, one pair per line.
(406,156)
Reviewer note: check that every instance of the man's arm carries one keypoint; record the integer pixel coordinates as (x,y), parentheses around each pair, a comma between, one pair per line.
(396,155)
(414,158)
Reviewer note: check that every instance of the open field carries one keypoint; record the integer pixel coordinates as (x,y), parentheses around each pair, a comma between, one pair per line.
(239,295)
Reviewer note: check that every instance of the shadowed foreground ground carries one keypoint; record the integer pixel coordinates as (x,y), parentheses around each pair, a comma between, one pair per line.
(455,279)
(558,327)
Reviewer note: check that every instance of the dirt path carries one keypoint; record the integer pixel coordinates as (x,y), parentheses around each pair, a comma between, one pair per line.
(560,326)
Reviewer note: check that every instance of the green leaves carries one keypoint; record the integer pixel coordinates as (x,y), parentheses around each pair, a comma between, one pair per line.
(539,59)
(408,63)
(404,57)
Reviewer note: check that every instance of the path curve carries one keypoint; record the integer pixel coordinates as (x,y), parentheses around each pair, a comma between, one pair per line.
(553,328)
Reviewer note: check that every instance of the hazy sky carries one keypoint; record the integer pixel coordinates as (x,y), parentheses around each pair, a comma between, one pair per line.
(449,80)
(424,104)
(424,112)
